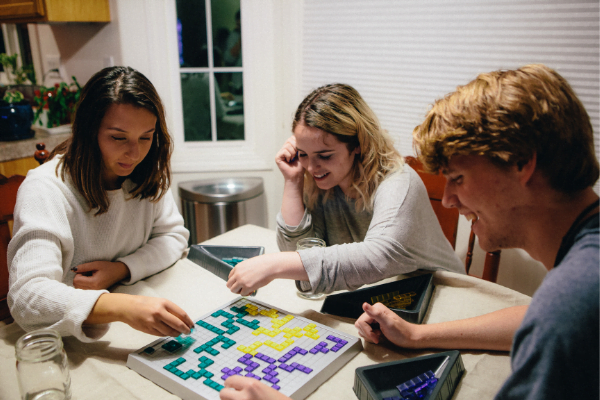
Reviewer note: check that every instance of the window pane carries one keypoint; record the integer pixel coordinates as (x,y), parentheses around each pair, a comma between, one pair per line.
(196,107)
(230,108)
(191,30)
(227,34)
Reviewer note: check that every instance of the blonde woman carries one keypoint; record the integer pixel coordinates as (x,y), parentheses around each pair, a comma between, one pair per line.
(346,184)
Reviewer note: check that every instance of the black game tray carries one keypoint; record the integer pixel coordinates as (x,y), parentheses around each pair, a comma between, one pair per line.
(377,382)
(409,298)
(211,257)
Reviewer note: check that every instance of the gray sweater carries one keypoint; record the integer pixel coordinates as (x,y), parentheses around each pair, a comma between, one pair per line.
(401,234)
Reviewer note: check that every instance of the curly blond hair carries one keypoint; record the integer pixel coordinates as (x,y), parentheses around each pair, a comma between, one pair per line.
(338,109)
(509,116)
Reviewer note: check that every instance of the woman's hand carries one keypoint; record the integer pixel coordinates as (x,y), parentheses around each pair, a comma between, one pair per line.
(287,162)
(242,388)
(258,271)
(251,274)
(97,275)
(379,321)
(152,315)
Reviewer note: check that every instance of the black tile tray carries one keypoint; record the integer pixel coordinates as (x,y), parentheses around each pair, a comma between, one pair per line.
(376,382)
(209,256)
(349,304)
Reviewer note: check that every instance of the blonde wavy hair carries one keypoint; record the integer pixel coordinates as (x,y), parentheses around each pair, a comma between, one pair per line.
(509,116)
(339,110)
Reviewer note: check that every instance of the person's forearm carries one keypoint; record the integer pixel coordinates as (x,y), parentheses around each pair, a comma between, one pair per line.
(288,265)
(107,309)
(493,331)
(292,207)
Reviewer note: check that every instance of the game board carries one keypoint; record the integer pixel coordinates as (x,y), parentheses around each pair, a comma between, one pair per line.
(250,338)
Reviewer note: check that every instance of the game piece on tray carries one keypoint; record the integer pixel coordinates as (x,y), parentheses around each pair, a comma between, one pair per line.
(246,337)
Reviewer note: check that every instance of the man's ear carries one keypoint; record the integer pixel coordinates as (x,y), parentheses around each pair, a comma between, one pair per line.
(526,169)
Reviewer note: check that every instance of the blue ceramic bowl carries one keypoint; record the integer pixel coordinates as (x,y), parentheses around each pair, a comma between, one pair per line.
(15,121)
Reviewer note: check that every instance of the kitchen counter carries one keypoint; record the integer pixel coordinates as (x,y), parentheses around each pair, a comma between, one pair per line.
(26,148)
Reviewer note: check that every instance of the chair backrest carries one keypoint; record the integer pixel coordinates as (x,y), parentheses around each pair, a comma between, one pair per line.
(41,154)
(8,198)
(448,218)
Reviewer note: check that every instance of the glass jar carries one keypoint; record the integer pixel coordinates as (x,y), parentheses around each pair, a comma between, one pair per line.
(307,243)
(42,368)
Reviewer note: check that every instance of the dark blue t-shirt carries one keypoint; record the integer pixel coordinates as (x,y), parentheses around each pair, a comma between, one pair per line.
(555,350)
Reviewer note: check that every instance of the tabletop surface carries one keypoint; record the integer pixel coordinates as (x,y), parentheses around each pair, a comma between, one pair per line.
(98,369)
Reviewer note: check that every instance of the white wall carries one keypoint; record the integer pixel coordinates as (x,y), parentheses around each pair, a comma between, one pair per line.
(141,35)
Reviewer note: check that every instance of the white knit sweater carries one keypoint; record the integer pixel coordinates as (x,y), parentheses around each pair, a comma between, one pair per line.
(54,231)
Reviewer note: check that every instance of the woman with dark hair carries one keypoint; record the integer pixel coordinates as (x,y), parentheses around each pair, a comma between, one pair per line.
(97,213)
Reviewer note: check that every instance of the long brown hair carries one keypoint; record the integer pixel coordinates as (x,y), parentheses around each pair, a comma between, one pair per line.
(339,110)
(82,158)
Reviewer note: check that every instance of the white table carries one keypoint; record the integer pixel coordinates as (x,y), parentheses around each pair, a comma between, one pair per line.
(98,369)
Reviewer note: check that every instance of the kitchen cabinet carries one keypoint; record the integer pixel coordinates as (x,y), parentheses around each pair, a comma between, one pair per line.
(54,11)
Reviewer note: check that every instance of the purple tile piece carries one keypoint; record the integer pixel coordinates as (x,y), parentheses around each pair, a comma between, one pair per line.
(325,350)
(297,349)
(255,364)
(335,349)
(283,366)
(314,351)
(307,370)
(292,352)
(302,351)
(274,380)
(295,365)
(238,369)
(259,356)
(332,338)
(324,344)
(343,342)
(282,359)
(300,368)
(249,369)
(275,387)
(225,370)
(267,370)
(290,369)
(270,360)
(274,373)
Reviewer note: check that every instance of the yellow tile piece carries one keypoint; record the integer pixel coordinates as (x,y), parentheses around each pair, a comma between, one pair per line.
(287,335)
(311,325)
(242,348)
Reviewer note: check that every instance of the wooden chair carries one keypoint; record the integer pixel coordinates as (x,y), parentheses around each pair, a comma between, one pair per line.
(448,218)
(8,198)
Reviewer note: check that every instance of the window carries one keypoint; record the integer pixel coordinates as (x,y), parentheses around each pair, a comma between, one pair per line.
(211,72)
(14,38)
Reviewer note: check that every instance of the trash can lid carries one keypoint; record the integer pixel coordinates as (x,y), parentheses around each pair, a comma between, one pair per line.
(221,190)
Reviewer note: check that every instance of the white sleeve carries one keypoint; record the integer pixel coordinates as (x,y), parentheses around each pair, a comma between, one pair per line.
(167,243)
(39,256)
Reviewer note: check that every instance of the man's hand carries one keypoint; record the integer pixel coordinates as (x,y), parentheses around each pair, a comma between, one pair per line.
(379,321)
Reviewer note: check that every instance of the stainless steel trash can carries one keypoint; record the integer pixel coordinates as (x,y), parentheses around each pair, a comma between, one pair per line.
(214,206)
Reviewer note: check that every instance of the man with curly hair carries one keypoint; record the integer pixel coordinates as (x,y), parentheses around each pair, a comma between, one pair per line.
(517,150)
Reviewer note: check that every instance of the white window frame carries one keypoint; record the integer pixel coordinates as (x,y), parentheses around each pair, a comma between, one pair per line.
(217,156)
(211,70)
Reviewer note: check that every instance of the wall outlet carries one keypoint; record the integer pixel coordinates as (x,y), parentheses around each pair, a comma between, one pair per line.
(52,62)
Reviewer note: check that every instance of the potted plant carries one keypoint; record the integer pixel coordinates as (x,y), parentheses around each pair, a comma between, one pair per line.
(18,76)
(16,117)
(55,105)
